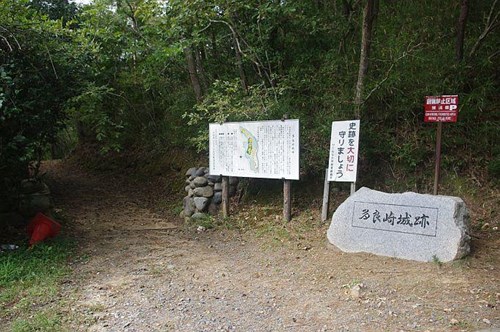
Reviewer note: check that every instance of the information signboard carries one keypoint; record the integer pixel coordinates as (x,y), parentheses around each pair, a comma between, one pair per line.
(344,146)
(255,149)
(441,108)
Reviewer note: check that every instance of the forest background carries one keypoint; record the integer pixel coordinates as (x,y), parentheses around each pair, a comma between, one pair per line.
(144,78)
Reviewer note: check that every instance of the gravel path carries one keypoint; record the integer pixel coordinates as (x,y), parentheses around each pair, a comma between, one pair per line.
(144,270)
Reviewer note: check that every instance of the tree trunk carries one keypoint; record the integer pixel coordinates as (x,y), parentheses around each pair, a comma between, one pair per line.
(195,82)
(462,20)
(200,70)
(239,62)
(369,16)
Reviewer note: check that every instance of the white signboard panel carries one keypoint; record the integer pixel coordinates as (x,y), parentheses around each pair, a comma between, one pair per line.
(256,149)
(344,143)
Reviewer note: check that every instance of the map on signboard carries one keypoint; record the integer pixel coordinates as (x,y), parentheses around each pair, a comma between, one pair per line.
(251,148)
(260,149)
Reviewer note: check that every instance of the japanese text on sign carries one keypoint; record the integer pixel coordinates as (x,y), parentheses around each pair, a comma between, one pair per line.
(441,108)
(344,143)
(257,149)
(396,218)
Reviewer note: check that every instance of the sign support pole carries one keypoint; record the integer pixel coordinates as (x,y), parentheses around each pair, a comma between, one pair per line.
(438,157)
(287,191)
(326,198)
(287,200)
(225,196)
(353,188)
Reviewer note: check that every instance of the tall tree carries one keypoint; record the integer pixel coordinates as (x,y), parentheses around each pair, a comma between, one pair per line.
(462,20)
(369,16)
(193,74)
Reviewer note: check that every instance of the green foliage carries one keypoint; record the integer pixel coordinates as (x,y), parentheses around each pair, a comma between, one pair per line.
(40,322)
(39,71)
(120,73)
(89,111)
(32,276)
(44,261)
(227,101)
(56,9)
(437,261)
(494,164)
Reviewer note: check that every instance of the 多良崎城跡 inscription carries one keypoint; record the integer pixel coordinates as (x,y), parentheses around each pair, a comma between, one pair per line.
(410,219)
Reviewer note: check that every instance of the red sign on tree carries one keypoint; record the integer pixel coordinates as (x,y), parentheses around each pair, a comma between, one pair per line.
(441,108)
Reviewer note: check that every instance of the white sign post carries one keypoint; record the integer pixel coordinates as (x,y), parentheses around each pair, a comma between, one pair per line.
(343,161)
(344,146)
(256,149)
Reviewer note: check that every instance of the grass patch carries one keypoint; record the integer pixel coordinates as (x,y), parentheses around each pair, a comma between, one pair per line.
(45,321)
(437,261)
(29,279)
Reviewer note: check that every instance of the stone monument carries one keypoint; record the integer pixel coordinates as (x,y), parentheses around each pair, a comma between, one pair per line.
(411,226)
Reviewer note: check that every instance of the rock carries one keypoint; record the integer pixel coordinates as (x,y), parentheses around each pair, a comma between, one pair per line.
(190,192)
(218,186)
(201,203)
(200,181)
(187,188)
(356,291)
(217,199)
(200,171)
(30,204)
(201,229)
(204,191)
(31,186)
(409,225)
(214,178)
(191,171)
(198,216)
(191,185)
(189,207)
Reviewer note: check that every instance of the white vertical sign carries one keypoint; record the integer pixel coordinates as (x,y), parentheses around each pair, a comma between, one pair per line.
(344,146)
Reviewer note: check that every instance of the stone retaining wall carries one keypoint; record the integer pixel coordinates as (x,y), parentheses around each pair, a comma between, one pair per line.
(204,192)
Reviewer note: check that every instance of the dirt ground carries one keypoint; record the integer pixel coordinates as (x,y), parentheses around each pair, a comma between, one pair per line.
(143,269)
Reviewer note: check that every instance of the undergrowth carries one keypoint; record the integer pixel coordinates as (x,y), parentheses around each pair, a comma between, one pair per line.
(29,280)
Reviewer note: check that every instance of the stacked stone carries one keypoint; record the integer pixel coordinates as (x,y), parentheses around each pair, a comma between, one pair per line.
(34,197)
(204,192)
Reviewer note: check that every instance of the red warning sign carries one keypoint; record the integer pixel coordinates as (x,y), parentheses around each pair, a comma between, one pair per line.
(441,108)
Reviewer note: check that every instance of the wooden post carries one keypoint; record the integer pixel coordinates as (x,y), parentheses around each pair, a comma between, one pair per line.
(438,157)
(287,191)
(353,188)
(225,196)
(287,200)
(326,198)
